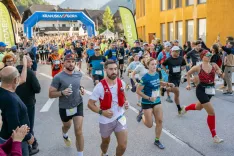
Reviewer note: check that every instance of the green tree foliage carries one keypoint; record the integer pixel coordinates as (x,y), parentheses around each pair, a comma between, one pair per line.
(108,18)
(24,4)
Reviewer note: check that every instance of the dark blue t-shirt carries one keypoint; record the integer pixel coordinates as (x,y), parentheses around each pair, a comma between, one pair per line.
(151,83)
(14,113)
(67,52)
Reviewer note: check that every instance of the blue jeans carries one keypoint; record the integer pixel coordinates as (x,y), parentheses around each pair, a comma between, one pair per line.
(24,146)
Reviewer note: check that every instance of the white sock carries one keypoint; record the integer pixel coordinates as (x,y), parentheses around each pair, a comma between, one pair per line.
(65,135)
(80,153)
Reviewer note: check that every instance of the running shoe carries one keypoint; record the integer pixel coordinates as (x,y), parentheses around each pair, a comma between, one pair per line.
(67,141)
(169,99)
(183,111)
(217,140)
(183,79)
(139,116)
(139,104)
(228,93)
(159,144)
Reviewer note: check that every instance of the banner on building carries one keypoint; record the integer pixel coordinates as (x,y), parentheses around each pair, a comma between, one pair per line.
(129,25)
(6,29)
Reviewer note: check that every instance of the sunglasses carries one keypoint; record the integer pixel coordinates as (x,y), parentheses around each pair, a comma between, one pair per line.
(208,55)
(177,51)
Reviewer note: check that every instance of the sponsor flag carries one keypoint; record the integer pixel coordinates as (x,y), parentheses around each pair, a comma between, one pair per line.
(6,28)
(129,24)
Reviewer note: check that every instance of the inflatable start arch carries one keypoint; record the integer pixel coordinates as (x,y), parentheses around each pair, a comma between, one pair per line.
(58,16)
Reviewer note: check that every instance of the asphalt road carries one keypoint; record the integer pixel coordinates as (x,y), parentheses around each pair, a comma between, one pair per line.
(183,136)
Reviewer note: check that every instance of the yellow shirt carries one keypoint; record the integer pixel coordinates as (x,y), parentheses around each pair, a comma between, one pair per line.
(61,51)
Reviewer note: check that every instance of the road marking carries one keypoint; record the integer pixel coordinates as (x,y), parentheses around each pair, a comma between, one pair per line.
(48,76)
(47,105)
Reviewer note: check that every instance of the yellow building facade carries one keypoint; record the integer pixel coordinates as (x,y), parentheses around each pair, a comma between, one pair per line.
(185,20)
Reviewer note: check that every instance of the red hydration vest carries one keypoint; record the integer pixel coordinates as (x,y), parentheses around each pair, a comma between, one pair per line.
(107,100)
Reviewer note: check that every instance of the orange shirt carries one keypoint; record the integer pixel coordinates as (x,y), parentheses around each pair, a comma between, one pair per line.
(56,64)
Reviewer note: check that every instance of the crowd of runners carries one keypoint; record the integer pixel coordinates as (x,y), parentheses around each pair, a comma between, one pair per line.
(149,70)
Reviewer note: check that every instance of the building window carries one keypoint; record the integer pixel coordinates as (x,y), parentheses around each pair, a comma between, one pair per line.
(53,25)
(201,1)
(170,32)
(190,30)
(178,3)
(163,5)
(169,4)
(179,32)
(63,25)
(163,32)
(189,2)
(202,29)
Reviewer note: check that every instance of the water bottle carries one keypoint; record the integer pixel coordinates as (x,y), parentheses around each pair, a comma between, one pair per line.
(70,88)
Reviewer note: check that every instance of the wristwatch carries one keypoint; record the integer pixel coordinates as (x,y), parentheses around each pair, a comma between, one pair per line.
(100,112)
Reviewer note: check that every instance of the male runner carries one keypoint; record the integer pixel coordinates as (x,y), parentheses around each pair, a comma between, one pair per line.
(97,62)
(55,61)
(112,53)
(174,63)
(110,92)
(121,55)
(66,86)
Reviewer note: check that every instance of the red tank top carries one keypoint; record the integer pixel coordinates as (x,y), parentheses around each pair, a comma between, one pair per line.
(207,77)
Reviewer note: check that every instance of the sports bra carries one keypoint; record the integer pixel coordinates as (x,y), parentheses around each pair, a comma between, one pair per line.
(205,77)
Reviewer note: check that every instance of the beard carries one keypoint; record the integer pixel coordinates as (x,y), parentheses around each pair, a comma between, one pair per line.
(112,76)
(70,68)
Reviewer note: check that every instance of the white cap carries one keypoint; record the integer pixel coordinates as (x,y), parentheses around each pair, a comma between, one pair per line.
(96,47)
(175,48)
(140,53)
(167,44)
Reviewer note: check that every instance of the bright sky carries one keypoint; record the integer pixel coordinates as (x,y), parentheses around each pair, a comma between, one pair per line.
(55,2)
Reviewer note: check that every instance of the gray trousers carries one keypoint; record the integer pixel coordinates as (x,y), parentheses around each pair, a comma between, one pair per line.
(228,77)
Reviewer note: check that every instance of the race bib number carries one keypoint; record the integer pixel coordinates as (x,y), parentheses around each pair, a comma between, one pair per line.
(137,76)
(176,69)
(120,57)
(123,120)
(56,62)
(155,93)
(198,63)
(98,72)
(71,112)
(210,90)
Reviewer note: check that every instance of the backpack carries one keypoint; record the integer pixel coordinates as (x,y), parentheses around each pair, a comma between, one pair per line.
(164,57)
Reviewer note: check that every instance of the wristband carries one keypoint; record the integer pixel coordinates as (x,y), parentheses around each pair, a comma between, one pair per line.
(100,112)
(62,93)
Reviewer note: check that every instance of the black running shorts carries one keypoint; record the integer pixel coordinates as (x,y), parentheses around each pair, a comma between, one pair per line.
(65,118)
(149,106)
(97,77)
(121,61)
(201,94)
(176,81)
